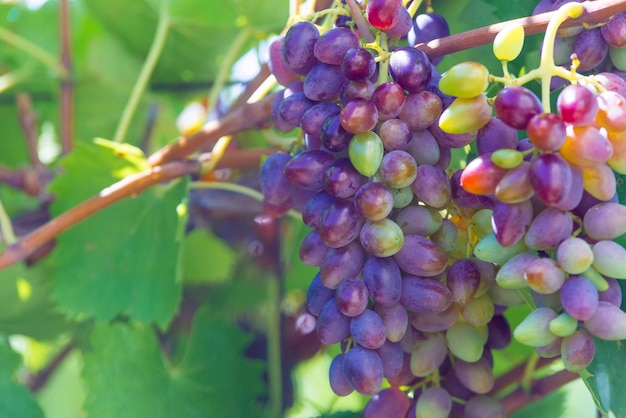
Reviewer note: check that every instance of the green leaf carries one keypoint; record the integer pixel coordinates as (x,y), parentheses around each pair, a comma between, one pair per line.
(15,399)
(26,305)
(212,379)
(571,400)
(122,260)
(206,258)
(198,34)
(607,383)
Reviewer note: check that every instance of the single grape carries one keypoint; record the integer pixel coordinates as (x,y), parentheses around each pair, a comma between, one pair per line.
(383,14)
(364,370)
(574,255)
(352,297)
(481,176)
(510,221)
(333,44)
(508,43)
(608,323)
(465,341)
(549,228)
(551,177)
(275,186)
(515,186)
(297,49)
(479,311)
(609,258)
(358,64)
(323,82)
(366,152)
(544,276)
(392,356)
(496,135)
(410,68)
(368,330)
(421,110)
(338,382)
(334,137)
(398,169)
(332,325)
(511,274)
(577,351)
(389,100)
(534,330)
(424,295)
(396,320)
(434,402)
(489,249)
(358,115)
(419,220)
(437,321)
(374,201)
(466,80)
(313,119)
(516,106)
(389,402)
(476,376)
(432,186)
(428,354)
(340,224)
(599,181)
(546,131)
(381,238)
(482,406)
(355,89)
(466,115)
(396,135)
(341,263)
(313,249)
(590,49)
(463,280)
(424,148)
(317,295)
(420,256)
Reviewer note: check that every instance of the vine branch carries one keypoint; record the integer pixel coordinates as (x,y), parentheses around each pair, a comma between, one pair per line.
(67,84)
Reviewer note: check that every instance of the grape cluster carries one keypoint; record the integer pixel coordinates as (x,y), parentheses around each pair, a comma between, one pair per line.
(418,260)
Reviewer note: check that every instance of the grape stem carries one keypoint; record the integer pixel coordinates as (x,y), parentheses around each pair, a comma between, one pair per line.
(360,22)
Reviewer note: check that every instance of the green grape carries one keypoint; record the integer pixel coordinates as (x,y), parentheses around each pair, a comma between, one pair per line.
(509,42)
(489,249)
(366,152)
(618,57)
(428,354)
(465,341)
(563,325)
(481,220)
(609,259)
(402,197)
(507,158)
(478,311)
(465,115)
(534,330)
(381,238)
(465,80)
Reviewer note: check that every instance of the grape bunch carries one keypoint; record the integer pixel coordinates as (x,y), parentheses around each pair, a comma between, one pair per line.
(419,259)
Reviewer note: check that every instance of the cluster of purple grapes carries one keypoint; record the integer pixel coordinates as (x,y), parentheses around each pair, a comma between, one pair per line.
(601,47)
(417,263)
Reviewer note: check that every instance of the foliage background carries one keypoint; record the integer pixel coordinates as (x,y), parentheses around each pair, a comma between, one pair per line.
(160,305)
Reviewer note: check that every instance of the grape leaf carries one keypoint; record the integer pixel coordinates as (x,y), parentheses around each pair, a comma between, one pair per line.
(212,378)
(26,306)
(206,258)
(198,32)
(15,400)
(606,382)
(121,260)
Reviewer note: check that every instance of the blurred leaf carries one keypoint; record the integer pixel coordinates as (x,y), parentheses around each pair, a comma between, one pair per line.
(569,401)
(607,383)
(15,400)
(64,393)
(26,305)
(198,35)
(206,258)
(121,260)
(213,378)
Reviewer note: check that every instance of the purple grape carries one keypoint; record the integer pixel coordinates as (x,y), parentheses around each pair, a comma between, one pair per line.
(331,46)
(358,116)
(510,221)
(477,377)
(551,177)
(338,382)
(396,320)
(395,134)
(437,321)
(313,250)
(577,351)
(398,169)
(374,201)
(313,119)
(608,323)
(516,106)
(427,27)
(613,294)
(342,179)
(482,406)
(402,26)
(342,263)
(334,136)
(332,325)
(389,403)
(544,276)
(495,135)
(340,224)
(463,280)
(383,280)
(421,110)
(368,330)
(424,295)
(279,123)
(317,295)
(275,187)
(297,49)
(432,186)
(389,100)
(364,370)
(499,333)
(358,64)
(392,356)
(410,68)
(323,82)
(579,297)
(614,31)
(460,196)
(283,74)
(351,296)
(550,350)
(451,140)
(315,207)
(424,148)
(306,170)
(292,108)
(590,48)
(420,256)
(350,90)
(549,228)
(434,402)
